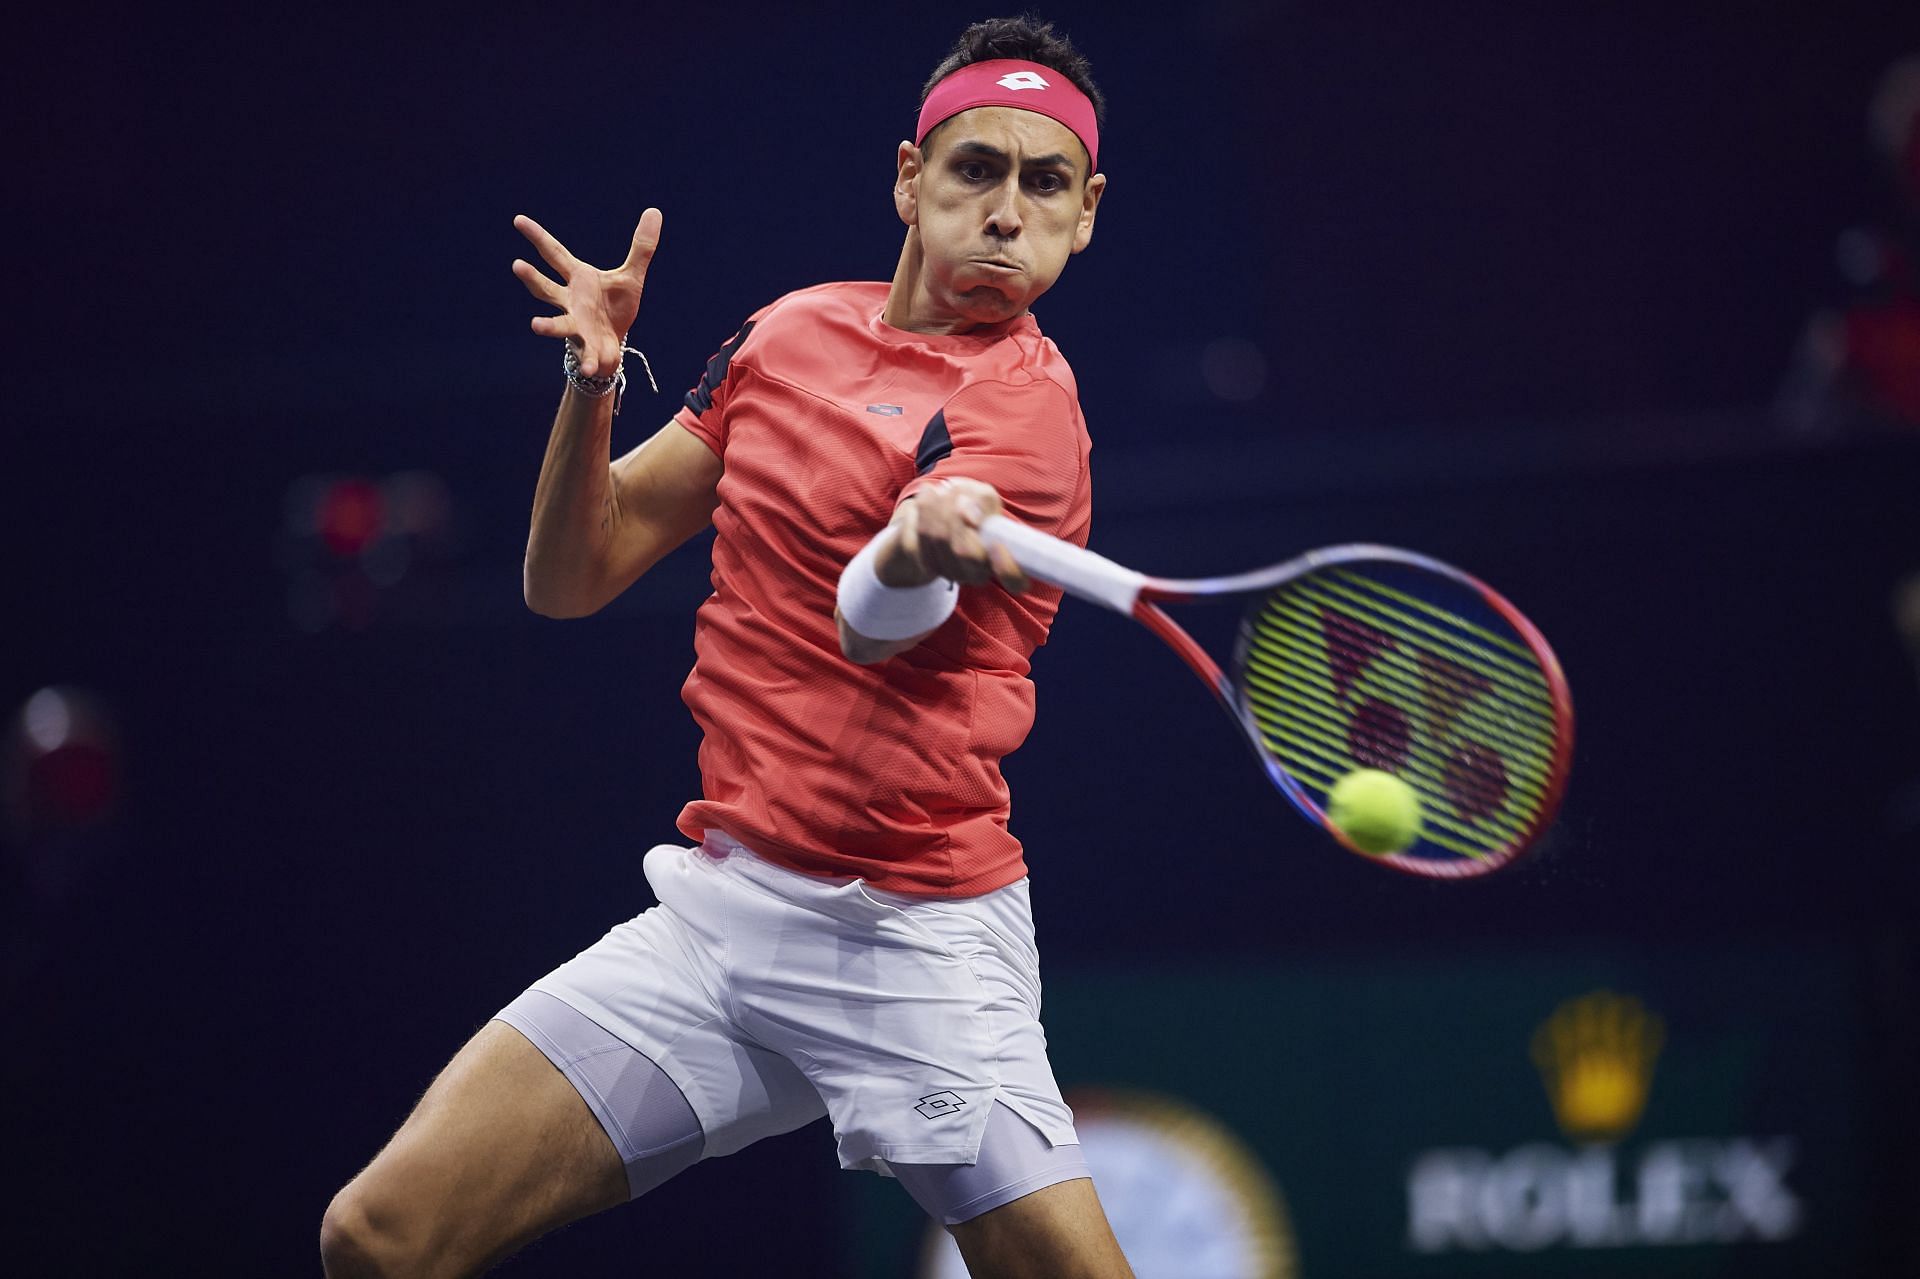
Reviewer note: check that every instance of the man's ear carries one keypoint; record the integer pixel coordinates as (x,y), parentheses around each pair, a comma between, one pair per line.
(1089,205)
(906,183)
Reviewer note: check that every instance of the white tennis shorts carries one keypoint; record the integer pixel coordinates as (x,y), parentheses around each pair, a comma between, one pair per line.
(770,997)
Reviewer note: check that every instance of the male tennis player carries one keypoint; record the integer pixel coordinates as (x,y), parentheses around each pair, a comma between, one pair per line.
(852,934)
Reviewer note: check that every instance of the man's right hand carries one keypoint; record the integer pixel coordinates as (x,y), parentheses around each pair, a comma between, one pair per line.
(596,307)
(936,533)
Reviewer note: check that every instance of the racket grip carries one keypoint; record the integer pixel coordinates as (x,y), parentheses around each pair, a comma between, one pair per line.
(1094,578)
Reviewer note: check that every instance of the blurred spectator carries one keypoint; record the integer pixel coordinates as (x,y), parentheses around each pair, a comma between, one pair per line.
(1864,354)
(1904,810)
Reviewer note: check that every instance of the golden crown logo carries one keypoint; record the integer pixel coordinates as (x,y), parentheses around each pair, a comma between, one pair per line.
(1596,1056)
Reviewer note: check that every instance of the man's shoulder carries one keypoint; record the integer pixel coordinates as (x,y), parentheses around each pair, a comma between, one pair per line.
(1052,367)
(811,337)
(798,330)
(852,298)
(1038,375)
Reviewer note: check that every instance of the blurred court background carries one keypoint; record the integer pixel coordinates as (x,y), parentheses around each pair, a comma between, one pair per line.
(1613,304)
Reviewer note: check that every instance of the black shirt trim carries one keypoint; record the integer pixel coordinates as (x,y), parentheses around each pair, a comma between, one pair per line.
(700,398)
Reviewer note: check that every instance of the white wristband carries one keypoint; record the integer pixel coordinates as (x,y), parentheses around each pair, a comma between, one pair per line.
(882,612)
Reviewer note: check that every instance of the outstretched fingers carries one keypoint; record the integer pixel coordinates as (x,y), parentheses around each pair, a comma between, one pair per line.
(543,289)
(596,307)
(555,326)
(646,238)
(551,250)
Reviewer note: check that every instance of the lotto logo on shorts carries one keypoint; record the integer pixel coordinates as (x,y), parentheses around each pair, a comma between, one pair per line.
(933,1105)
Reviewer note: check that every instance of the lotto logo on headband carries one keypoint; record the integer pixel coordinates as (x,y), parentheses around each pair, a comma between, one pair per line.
(1022,80)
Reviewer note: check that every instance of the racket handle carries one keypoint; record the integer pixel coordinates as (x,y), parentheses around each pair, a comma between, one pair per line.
(1094,578)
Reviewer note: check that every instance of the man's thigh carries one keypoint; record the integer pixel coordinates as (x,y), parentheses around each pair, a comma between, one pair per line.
(1060,1232)
(500,1150)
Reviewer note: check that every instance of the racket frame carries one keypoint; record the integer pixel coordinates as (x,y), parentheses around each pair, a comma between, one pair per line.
(1101,581)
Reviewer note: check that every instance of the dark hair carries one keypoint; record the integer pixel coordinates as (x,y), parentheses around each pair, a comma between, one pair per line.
(1028,39)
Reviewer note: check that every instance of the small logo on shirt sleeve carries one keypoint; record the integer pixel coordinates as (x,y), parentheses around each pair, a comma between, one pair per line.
(933,1105)
(886,410)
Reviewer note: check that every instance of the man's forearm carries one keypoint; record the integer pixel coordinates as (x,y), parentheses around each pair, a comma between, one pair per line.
(573,511)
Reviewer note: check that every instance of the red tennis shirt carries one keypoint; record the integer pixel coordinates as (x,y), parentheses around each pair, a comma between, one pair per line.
(824,417)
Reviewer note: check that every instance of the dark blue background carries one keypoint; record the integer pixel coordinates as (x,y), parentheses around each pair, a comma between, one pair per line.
(1524,281)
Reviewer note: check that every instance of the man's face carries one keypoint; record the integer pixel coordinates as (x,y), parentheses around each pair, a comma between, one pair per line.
(1001,198)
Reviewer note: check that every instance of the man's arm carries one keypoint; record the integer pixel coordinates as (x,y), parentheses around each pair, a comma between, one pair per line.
(859,648)
(597,526)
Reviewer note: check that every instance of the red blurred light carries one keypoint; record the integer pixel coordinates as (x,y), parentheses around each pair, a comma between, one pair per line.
(62,763)
(73,786)
(352,513)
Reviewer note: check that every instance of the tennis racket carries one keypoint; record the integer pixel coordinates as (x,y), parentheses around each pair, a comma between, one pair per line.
(1367,657)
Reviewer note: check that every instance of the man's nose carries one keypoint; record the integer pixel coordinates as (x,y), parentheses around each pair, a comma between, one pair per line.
(1003,216)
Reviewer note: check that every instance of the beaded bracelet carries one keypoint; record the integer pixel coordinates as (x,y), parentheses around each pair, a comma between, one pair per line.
(600,385)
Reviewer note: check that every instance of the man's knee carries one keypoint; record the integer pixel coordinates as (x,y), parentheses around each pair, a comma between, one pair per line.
(361,1240)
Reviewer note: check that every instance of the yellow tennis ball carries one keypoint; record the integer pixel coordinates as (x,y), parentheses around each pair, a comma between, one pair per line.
(1376,810)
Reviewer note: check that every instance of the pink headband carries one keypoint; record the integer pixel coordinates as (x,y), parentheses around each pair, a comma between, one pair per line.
(1008,82)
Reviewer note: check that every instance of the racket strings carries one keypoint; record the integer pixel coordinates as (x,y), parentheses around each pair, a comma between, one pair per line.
(1459,675)
(1315,755)
(1342,671)
(1476,809)
(1275,646)
(1471,813)
(1453,672)
(1374,745)
(1521,678)
(1283,665)
(1450,623)
(1321,764)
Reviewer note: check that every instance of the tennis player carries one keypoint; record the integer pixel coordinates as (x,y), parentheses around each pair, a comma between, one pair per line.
(850,934)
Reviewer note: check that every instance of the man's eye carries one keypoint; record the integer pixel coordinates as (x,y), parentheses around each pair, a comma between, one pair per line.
(973,172)
(1050,182)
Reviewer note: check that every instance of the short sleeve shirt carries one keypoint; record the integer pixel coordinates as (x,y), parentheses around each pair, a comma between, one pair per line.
(824,418)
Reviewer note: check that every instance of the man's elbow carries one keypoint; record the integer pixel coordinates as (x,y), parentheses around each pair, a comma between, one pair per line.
(548,601)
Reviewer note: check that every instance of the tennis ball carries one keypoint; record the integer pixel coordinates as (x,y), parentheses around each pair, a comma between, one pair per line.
(1376,810)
